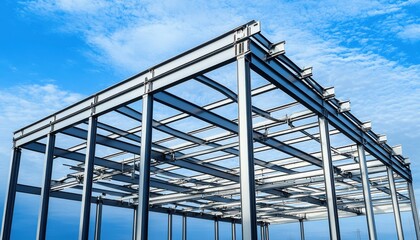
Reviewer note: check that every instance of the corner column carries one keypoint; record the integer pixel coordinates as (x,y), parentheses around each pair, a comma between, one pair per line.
(144,168)
(88,179)
(414,209)
(370,215)
(328,168)
(46,185)
(9,203)
(246,154)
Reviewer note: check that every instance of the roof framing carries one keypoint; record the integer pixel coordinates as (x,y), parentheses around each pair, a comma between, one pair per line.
(197,162)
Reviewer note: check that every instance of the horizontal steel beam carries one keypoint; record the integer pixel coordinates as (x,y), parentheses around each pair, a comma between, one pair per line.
(292,84)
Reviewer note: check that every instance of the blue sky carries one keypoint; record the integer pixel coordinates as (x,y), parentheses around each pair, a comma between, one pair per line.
(55,52)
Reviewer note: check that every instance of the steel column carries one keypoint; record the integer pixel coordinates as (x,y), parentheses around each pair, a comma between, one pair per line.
(246,155)
(414,209)
(267,231)
(370,215)
(302,229)
(98,222)
(9,203)
(169,226)
(134,222)
(144,168)
(395,205)
(233,230)
(262,237)
(329,179)
(87,180)
(46,185)
(216,229)
(184,227)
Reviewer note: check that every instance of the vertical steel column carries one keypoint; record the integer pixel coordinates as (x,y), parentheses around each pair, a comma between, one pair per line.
(88,179)
(98,222)
(134,222)
(233,230)
(216,229)
(184,227)
(396,207)
(169,226)
(267,231)
(329,179)
(262,237)
(414,209)
(370,215)
(9,203)
(246,154)
(144,169)
(302,229)
(46,185)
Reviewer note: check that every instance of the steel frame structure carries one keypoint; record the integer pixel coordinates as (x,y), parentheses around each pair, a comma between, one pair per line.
(252,169)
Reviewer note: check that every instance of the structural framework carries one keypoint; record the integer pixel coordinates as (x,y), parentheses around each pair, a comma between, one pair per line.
(232,131)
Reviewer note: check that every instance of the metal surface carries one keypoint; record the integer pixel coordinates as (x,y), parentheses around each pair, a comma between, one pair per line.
(302,229)
(364,175)
(45,190)
(334,225)
(246,156)
(169,226)
(9,203)
(184,227)
(395,205)
(216,229)
(98,222)
(88,179)
(243,151)
(144,168)
(233,230)
(414,210)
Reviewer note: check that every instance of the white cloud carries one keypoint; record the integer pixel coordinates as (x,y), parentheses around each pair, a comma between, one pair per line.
(410,32)
(22,105)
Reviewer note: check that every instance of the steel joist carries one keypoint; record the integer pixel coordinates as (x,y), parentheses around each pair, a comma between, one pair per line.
(255,148)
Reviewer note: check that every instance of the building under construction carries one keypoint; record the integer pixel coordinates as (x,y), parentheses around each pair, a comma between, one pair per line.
(230,131)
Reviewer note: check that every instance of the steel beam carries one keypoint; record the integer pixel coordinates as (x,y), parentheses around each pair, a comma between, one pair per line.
(184,227)
(281,76)
(98,222)
(144,169)
(395,205)
(169,226)
(46,185)
(9,203)
(302,229)
(414,210)
(370,215)
(333,220)
(197,61)
(88,179)
(246,155)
